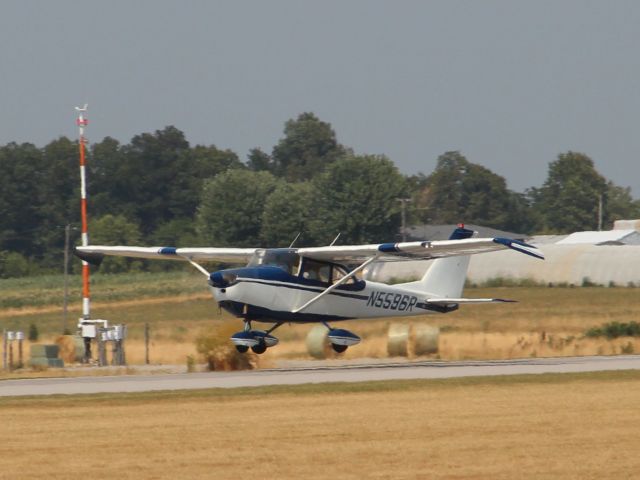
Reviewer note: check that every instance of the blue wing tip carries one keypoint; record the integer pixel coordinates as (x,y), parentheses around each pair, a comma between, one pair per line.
(519,246)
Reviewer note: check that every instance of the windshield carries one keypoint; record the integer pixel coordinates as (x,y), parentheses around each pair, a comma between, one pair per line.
(283,258)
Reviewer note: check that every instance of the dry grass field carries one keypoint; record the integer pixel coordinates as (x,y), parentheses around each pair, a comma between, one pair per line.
(582,426)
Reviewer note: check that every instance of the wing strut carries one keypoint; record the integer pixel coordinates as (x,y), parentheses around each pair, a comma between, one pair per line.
(335,285)
(198,266)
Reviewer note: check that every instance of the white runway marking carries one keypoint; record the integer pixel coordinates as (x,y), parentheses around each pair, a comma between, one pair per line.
(312,374)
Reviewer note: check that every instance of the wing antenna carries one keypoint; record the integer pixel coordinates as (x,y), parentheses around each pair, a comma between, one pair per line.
(335,239)
(295,239)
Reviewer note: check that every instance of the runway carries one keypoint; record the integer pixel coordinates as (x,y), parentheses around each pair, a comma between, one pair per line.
(315,372)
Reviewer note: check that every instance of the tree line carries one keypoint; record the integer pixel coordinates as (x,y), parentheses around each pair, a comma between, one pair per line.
(160,190)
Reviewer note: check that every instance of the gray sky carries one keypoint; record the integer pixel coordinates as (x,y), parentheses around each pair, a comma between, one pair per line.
(508,83)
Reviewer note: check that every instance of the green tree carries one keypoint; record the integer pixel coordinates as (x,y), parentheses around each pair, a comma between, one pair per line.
(259,161)
(146,176)
(287,212)
(115,230)
(231,211)
(21,215)
(109,180)
(619,204)
(356,196)
(568,200)
(461,191)
(308,147)
(59,197)
(191,169)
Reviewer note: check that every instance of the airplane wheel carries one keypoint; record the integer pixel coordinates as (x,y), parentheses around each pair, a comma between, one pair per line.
(260,348)
(339,348)
(242,348)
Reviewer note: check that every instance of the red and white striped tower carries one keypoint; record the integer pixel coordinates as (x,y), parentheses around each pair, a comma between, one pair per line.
(82,122)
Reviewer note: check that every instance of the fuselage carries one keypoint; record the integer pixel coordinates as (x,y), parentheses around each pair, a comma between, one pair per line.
(279,281)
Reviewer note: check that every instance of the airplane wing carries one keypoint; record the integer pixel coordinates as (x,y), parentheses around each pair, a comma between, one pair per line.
(95,253)
(417,250)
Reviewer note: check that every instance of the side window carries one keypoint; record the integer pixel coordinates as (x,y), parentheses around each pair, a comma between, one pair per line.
(317,271)
(339,272)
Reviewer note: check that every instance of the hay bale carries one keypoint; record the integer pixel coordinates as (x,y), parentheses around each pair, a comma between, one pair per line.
(71,348)
(425,339)
(44,351)
(318,344)
(398,339)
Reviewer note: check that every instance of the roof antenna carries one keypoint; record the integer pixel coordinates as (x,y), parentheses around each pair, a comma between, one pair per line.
(335,239)
(295,239)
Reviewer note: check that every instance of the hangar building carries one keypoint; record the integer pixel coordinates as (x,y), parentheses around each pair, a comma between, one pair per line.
(604,258)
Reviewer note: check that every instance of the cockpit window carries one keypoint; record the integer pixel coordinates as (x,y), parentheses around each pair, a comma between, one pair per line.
(316,271)
(324,272)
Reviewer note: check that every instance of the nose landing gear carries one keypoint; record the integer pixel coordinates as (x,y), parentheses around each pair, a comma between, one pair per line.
(257,340)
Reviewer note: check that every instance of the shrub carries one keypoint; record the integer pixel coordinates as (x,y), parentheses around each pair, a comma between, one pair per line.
(218,351)
(191,364)
(614,330)
(13,265)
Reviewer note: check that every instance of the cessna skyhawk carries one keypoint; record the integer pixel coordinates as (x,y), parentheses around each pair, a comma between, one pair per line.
(316,284)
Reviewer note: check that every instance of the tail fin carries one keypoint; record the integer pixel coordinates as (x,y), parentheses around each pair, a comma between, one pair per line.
(446,276)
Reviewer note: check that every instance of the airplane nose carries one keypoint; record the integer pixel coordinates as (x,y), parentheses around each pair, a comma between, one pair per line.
(217,280)
(221,279)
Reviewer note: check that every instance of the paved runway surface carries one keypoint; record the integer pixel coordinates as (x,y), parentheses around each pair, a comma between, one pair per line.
(347,372)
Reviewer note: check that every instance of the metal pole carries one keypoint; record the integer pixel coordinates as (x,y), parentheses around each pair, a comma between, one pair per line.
(123,355)
(20,362)
(146,344)
(83,122)
(403,203)
(4,349)
(600,213)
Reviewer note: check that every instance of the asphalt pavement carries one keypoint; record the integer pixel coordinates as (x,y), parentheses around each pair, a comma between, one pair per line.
(315,372)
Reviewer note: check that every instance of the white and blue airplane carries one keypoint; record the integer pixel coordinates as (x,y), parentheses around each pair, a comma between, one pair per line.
(307,285)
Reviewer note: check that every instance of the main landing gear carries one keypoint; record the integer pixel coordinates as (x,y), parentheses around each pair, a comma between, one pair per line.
(341,339)
(256,340)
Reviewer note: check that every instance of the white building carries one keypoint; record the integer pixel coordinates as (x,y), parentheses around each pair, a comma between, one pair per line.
(604,258)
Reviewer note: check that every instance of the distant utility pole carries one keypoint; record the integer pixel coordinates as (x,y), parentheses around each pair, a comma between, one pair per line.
(67,233)
(403,208)
(600,213)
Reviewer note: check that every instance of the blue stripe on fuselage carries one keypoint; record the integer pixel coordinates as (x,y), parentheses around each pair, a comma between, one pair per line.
(266,274)
(261,314)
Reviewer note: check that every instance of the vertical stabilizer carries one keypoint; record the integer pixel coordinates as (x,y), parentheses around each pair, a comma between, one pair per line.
(446,276)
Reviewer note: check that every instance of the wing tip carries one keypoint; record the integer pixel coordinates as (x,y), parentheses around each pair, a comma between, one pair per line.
(521,247)
(89,257)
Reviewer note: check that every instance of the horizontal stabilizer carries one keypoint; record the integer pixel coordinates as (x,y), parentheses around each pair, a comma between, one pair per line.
(449,301)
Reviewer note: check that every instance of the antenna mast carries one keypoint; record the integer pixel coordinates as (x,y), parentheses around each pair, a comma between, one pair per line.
(82,122)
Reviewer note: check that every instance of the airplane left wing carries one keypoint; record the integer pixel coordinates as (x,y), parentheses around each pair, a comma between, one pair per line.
(418,250)
(95,253)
